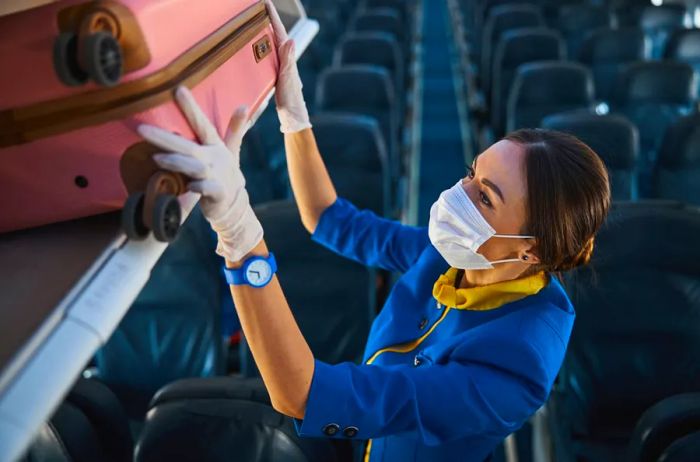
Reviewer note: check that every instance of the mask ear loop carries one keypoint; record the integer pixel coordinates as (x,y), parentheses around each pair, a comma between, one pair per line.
(511,236)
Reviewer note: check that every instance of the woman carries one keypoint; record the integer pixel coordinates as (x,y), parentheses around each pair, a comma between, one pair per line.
(473,334)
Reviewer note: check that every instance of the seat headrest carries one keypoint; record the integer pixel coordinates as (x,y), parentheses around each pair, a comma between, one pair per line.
(366,47)
(354,87)
(383,19)
(668,15)
(681,146)
(657,82)
(685,449)
(546,82)
(89,425)
(517,15)
(615,46)
(529,44)
(683,45)
(613,137)
(250,389)
(582,17)
(350,140)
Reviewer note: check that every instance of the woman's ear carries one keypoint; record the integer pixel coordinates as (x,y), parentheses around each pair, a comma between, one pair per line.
(529,255)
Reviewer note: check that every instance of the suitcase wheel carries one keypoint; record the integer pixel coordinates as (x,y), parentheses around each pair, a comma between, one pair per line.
(102,57)
(166,217)
(132,217)
(65,60)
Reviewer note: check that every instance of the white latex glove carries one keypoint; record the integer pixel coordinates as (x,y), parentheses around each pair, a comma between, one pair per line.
(214,169)
(291,107)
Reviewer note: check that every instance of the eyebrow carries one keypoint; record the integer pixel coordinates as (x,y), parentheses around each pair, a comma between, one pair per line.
(490,184)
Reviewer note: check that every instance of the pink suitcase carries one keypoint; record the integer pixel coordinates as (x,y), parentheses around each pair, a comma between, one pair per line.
(79,76)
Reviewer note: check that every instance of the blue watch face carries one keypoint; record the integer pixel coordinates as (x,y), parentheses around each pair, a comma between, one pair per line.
(258,273)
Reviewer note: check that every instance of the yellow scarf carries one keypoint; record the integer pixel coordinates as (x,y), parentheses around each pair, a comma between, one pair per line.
(486,297)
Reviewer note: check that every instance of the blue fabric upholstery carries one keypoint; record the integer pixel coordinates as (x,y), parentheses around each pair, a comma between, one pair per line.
(173,328)
(678,169)
(362,89)
(606,51)
(518,47)
(385,20)
(576,21)
(500,20)
(662,425)
(614,138)
(547,87)
(659,22)
(332,298)
(355,155)
(653,95)
(637,336)
(684,46)
(378,49)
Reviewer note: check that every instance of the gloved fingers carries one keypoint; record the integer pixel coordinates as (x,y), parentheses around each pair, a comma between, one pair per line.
(188,165)
(200,123)
(277,26)
(207,188)
(287,55)
(237,127)
(168,141)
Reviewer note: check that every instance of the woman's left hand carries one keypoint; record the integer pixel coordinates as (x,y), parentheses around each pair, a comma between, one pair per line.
(213,165)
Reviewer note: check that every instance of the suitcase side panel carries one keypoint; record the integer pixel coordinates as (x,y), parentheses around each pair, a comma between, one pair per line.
(39,178)
(169,27)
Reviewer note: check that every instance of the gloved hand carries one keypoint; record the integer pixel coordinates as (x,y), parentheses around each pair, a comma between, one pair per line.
(291,108)
(214,169)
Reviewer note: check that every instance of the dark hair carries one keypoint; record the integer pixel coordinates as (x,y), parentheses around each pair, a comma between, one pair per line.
(568,196)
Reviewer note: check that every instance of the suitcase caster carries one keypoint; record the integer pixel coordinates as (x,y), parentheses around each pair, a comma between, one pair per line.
(97,56)
(102,56)
(65,60)
(166,218)
(132,217)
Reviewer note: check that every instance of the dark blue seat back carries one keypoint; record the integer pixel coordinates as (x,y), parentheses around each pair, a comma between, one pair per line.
(684,45)
(332,298)
(606,51)
(547,87)
(637,334)
(374,48)
(614,138)
(385,20)
(653,95)
(659,22)
(518,47)
(677,174)
(501,19)
(576,21)
(173,328)
(362,89)
(355,155)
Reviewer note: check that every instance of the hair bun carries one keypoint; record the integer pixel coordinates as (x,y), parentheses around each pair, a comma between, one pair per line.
(580,259)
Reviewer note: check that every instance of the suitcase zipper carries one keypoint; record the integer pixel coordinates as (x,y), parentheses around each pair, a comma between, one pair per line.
(40,120)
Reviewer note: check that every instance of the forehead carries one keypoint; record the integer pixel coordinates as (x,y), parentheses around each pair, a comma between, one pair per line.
(504,164)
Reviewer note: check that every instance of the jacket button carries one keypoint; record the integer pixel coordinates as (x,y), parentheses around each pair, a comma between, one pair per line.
(423,323)
(350,432)
(416,361)
(331,429)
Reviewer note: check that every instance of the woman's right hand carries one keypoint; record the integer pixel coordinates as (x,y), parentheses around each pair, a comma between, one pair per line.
(291,108)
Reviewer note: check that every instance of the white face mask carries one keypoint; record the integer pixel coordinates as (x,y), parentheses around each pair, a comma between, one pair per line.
(457,230)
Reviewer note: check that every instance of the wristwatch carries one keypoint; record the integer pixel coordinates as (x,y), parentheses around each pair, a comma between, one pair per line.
(256,271)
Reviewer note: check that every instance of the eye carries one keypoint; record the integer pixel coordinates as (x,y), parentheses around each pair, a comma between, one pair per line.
(470,172)
(485,199)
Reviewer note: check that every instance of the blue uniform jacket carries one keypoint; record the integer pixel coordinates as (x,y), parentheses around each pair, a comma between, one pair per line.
(473,380)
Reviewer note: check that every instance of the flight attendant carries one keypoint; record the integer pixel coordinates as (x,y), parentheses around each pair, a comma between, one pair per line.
(472,336)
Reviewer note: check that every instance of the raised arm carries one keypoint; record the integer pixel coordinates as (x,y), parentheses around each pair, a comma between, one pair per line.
(311,184)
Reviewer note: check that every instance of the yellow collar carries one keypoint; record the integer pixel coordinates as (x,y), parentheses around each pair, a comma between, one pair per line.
(486,297)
